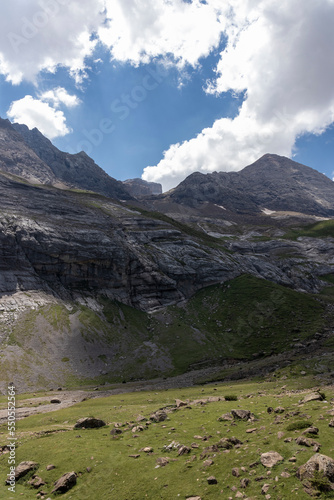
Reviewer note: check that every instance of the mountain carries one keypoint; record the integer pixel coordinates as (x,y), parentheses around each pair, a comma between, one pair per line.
(139,188)
(273,183)
(95,288)
(76,171)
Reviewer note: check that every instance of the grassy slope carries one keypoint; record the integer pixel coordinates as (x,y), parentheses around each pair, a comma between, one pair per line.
(115,475)
(238,320)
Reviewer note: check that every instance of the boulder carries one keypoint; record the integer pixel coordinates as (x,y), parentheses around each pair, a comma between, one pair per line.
(242,414)
(89,423)
(270,458)
(317,463)
(159,416)
(314,396)
(226,417)
(24,468)
(212,480)
(65,483)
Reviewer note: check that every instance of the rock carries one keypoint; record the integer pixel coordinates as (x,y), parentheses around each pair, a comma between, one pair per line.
(302,441)
(239,494)
(265,489)
(193,498)
(279,409)
(134,456)
(180,403)
(159,416)
(293,459)
(89,423)
(270,409)
(280,435)
(270,458)
(36,482)
(50,467)
(320,463)
(314,396)
(212,480)
(162,461)
(208,463)
(244,482)
(183,450)
(55,401)
(65,483)
(250,431)
(236,472)
(226,417)
(23,469)
(331,423)
(137,428)
(285,474)
(311,430)
(147,449)
(241,414)
(115,432)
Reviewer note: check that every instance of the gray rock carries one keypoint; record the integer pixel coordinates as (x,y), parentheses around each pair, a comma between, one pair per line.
(65,483)
(271,458)
(318,462)
(23,469)
(89,423)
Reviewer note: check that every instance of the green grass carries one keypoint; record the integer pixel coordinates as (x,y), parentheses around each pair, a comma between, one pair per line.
(318,230)
(50,439)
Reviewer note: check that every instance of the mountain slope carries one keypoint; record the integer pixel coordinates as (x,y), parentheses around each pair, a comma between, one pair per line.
(273,182)
(77,170)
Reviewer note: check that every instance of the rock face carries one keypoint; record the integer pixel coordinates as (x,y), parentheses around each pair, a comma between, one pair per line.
(23,469)
(273,182)
(77,171)
(139,188)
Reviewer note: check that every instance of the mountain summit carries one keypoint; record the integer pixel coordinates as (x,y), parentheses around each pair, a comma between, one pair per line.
(273,182)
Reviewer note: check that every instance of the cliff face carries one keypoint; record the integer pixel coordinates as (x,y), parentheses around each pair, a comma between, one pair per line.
(140,188)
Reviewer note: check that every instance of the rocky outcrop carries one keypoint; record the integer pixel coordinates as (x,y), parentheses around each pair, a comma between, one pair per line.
(138,188)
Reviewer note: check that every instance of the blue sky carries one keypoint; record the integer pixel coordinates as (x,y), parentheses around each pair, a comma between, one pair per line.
(162,89)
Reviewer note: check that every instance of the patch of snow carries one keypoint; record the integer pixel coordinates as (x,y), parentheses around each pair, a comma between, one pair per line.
(268,212)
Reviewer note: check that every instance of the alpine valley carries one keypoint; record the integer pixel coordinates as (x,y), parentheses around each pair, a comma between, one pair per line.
(101,281)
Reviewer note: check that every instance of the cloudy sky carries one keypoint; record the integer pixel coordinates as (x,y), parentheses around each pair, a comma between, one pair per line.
(163,88)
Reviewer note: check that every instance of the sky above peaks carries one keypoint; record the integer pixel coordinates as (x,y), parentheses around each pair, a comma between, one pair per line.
(159,89)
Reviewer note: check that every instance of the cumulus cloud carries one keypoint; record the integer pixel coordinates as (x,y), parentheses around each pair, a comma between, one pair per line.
(280,54)
(176,30)
(36,113)
(60,96)
(43,34)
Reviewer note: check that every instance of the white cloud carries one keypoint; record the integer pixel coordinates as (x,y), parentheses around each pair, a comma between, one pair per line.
(178,31)
(281,54)
(43,34)
(60,96)
(36,113)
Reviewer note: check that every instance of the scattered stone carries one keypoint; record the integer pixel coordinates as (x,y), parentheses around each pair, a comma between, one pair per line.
(293,459)
(88,469)
(212,480)
(280,435)
(270,458)
(270,409)
(208,463)
(115,432)
(244,482)
(236,472)
(65,483)
(331,423)
(302,441)
(159,416)
(265,489)
(311,430)
(140,418)
(147,449)
(36,482)
(285,474)
(250,431)
(89,423)
(138,428)
(242,414)
(50,467)
(22,469)
(239,494)
(279,409)
(193,498)
(162,461)
(194,445)
(226,417)
(134,456)
(183,450)
(55,401)
(288,440)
